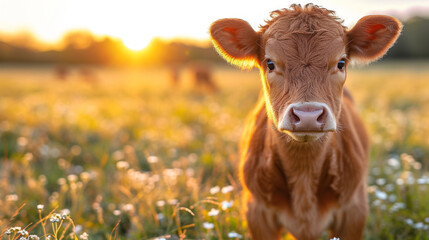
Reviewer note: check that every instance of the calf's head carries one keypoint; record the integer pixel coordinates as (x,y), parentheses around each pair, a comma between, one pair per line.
(302,54)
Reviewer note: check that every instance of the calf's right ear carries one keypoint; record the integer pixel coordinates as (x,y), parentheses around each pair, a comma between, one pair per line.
(236,41)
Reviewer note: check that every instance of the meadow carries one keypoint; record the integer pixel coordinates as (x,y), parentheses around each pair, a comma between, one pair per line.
(130,157)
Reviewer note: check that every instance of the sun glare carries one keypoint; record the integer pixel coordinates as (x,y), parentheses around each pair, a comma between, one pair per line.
(136,43)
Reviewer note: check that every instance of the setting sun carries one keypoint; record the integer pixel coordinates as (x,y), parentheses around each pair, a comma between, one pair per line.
(136,43)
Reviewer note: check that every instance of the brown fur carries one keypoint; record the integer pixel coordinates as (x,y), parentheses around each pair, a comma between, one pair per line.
(305,187)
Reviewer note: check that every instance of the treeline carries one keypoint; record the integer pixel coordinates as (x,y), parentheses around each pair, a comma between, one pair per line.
(83,48)
(413,41)
(80,47)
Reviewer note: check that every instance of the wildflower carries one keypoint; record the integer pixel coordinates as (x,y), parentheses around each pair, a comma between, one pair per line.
(11,198)
(419,225)
(381,195)
(226,204)
(160,203)
(28,157)
(122,165)
(55,218)
(208,225)
(213,212)
(396,206)
(129,208)
(85,176)
(33,237)
(65,213)
(40,207)
(214,190)
(23,233)
(75,150)
(409,221)
(427,219)
(84,236)
(423,180)
(118,155)
(172,201)
(227,189)
(160,216)
(152,159)
(234,235)
(78,228)
(392,198)
(72,178)
(22,238)
(390,187)
(22,141)
(380,181)
(335,238)
(393,162)
(116,212)
(61,181)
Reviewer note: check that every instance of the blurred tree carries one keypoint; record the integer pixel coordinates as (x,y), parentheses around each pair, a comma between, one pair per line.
(413,41)
(78,39)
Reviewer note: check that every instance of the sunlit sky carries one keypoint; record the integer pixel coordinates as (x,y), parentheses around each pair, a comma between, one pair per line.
(138,21)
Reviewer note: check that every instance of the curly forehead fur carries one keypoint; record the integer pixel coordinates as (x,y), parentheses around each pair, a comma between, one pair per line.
(307,19)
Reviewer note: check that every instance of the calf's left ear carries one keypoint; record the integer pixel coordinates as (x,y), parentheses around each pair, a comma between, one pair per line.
(372,36)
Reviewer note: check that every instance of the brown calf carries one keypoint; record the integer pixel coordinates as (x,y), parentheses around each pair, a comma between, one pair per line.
(304,151)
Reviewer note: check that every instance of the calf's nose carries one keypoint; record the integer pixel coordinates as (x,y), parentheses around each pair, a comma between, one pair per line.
(307,118)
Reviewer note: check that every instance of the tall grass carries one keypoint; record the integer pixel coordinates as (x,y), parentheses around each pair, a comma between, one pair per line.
(133,158)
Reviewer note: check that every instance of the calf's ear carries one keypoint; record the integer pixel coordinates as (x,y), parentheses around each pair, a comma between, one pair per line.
(372,36)
(236,41)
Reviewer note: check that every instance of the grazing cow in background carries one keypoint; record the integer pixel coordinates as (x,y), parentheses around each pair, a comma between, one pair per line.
(304,152)
(61,72)
(202,77)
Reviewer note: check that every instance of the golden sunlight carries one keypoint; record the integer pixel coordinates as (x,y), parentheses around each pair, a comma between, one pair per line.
(136,43)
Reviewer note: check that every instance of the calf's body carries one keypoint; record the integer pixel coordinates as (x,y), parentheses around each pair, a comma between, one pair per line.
(304,188)
(304,149)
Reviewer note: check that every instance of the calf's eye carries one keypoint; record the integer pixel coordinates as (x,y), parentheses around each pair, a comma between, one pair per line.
(270,65)
(341,64)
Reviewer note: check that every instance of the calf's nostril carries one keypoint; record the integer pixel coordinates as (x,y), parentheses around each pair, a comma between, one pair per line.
(294,118)
(322,117)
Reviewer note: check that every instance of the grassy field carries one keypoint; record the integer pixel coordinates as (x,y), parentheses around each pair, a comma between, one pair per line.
(129,157)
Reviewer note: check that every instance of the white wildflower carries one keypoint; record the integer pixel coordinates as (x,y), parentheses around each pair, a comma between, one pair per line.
(208,225)
(152,159)
(23,233)
(393,162)
(213,212)
(40,207)
(380,181)
(419,225)
(226,204)
(234,235)
(214,190)
(227,189)
(172,201)
(122,165)
(160,203)
(381,195)
(409,221)
(84,236)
